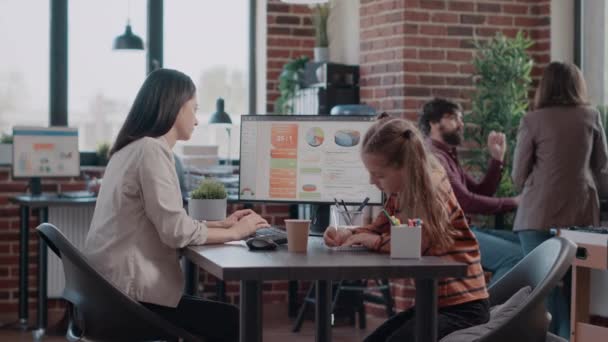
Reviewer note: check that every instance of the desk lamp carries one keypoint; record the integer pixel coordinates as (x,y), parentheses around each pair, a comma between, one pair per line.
(222,118)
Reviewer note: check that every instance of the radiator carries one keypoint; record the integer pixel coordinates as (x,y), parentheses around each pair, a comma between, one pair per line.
(74,223)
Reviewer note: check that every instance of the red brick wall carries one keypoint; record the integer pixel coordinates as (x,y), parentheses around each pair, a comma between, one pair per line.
(412,50)
(290,35)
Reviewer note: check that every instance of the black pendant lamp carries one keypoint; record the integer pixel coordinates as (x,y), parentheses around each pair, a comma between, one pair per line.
(128,40)
(220,116)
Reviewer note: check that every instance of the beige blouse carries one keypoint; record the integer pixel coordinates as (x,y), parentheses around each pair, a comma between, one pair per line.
(139,224)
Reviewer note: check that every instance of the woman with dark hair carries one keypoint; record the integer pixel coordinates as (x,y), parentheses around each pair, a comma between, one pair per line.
(140,224)
(561,165)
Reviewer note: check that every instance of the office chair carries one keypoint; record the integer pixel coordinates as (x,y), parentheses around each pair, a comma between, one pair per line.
(541,270)
(360,293)
(101,312)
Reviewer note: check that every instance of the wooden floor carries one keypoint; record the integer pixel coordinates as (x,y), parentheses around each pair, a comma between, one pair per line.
(277,327)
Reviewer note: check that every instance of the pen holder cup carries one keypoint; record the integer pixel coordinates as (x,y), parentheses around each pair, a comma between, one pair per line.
(406,242)
(346,219)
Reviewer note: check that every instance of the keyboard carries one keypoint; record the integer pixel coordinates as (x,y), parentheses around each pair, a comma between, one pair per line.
(590,229)
(76,194)
(276,234)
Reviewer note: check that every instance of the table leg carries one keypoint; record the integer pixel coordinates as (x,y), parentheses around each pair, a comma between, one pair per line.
(191,274)
(323,311)
(579,311)
(42,277)
(24,222)
(426,310)
(251,311)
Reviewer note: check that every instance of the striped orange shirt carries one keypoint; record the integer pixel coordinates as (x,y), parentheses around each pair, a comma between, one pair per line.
(451,291)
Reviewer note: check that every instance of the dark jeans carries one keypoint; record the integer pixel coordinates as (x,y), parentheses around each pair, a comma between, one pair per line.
(402,326)
(500,251)
(558,301)
(212,321)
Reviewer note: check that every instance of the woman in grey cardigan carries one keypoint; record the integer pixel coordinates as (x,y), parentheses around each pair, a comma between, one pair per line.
(560,163)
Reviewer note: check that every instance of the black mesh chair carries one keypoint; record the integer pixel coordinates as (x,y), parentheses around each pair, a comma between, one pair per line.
(101,312)
(542,270)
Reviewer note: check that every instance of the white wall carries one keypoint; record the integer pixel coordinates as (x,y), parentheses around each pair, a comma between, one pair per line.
(562,30)
(594,49)
(343,31)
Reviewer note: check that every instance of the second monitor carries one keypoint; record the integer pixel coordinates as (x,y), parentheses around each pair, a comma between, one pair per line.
(304,159)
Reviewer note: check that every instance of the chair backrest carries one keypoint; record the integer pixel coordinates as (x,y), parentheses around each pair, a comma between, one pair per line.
(104,313)
(541,269)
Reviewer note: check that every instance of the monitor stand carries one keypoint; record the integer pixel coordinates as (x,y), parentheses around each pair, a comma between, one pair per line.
(35,187)
(319,219)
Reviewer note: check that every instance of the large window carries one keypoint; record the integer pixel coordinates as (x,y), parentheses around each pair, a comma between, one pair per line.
(24,63)
(102,82)
(207,40)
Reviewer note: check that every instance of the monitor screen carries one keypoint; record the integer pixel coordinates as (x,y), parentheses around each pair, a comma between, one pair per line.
(304,159)
(45,152)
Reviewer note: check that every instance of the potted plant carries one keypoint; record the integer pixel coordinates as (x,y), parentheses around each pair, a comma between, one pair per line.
(290,80)
(103,150)
(320,14)
(502,81)
(6,149)
(208,201)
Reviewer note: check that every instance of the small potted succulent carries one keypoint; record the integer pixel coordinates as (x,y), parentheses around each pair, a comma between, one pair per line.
(6,149)
(208,201)
(102,152)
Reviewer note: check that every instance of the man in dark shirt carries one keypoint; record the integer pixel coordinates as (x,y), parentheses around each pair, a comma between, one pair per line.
(441,122)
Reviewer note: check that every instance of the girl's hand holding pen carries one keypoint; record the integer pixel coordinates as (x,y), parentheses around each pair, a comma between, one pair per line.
(365,239)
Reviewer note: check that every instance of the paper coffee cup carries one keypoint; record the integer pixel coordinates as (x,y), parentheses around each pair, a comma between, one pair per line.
(297,235)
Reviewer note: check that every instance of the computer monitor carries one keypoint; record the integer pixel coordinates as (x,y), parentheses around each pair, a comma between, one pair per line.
(304,159)
(45,152)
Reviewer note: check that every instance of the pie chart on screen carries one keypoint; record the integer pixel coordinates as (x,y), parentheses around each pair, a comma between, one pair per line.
(315,136)
(347,138)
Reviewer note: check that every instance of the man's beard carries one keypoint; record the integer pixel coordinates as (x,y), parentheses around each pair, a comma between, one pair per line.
(453,138)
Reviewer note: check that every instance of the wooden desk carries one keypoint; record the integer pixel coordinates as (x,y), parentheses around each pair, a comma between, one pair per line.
(235,262)
(592,254)
(42,203)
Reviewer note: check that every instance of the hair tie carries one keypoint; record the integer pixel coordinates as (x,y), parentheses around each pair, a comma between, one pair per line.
(407,134)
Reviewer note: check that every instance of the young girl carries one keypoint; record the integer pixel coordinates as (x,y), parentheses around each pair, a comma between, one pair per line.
(395,155)
(140,224)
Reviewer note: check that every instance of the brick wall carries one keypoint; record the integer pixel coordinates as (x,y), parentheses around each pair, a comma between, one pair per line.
(290,35)
(412,50)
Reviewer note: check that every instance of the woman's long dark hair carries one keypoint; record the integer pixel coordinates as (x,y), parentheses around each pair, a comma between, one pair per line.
(156,106)
(562,84)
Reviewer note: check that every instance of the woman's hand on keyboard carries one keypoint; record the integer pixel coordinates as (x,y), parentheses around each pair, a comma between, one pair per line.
(335,237)
(235,217)
(247,225)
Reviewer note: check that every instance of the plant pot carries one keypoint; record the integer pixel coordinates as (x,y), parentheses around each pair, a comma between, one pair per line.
(6,154)
(207,209)
(321,54)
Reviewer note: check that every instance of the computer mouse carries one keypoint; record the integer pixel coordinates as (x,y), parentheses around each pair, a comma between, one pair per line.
(260,244)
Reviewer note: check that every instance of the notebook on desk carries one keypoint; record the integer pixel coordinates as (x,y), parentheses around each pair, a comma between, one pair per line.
(76,194)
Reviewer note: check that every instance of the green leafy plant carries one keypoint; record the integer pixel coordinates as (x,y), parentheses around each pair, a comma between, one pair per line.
(6,139)
(320,14)
(502,80)
(103,149)
(209,189)
(289,81)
